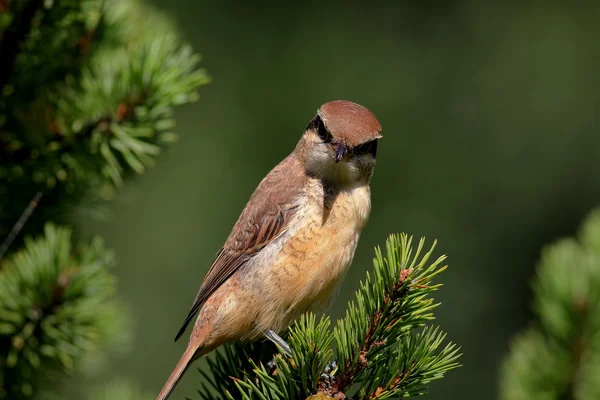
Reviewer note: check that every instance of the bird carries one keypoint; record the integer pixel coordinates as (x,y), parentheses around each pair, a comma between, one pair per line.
(290,248)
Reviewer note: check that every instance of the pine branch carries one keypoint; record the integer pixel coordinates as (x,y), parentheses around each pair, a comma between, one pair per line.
(19,224)
(104,110)
(41,44)
(121,85)
(385,347)
(87,94)
(558,356)
(233,362)
(56,305)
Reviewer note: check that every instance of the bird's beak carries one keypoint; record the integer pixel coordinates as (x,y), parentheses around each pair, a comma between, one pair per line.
(340,151)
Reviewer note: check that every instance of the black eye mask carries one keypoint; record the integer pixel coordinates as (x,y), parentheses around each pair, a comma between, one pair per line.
(367,148)
(319,126)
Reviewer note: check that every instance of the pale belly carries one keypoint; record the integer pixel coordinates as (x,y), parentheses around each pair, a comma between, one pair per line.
(312,261)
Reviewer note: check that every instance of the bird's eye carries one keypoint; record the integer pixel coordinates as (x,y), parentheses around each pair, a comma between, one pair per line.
(319,126)
(322,132)
(369,147)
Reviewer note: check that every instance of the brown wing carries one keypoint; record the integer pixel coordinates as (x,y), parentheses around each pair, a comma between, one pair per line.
(265,217)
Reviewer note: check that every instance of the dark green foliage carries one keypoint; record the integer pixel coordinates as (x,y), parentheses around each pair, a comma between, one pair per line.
(558,356)
(44,44)
(56,305)
(90,98)
(385,347)
(233,360)
(87,91)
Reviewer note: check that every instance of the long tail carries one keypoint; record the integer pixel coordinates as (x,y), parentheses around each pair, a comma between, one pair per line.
(182,365)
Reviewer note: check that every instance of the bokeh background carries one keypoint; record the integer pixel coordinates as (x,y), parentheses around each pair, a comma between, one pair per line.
(491,145)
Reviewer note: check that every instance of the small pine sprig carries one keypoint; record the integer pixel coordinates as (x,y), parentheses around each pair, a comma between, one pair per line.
(56,306)
(389,307)
(294,378)
(106,112)
(385,349)
(115,113)
(558,355)
(230,364)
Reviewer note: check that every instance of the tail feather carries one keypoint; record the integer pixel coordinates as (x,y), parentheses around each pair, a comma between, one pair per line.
(182,365)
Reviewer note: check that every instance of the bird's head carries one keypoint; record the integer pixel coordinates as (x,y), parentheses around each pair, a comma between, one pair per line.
(340,143)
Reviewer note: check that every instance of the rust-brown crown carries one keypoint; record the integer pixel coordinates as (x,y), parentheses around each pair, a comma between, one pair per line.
(349,122)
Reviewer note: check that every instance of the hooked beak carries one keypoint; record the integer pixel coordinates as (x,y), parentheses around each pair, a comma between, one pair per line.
(340,151)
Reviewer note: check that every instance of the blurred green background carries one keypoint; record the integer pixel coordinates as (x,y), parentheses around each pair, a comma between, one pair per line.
(490,121)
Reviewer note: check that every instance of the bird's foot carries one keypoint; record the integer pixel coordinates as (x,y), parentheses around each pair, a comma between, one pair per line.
(275,338)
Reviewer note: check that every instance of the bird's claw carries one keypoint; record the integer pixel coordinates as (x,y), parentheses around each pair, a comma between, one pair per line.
(275,338)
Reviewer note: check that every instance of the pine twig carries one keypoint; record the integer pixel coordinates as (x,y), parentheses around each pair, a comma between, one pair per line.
(385,346)
(20,223)
(57,304)
(558,355)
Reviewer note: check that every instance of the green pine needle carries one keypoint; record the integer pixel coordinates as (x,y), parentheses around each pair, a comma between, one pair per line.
(89,100)
(385,347)
(88,90)
(558,355)
(56,306)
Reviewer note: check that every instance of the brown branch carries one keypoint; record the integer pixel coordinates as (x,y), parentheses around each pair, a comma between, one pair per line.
(4,6)
(20,223)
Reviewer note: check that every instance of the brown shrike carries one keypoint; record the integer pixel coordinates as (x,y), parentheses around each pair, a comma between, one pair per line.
(294,241)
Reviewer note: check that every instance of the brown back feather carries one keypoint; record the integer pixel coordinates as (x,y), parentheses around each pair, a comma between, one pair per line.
(265,217)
